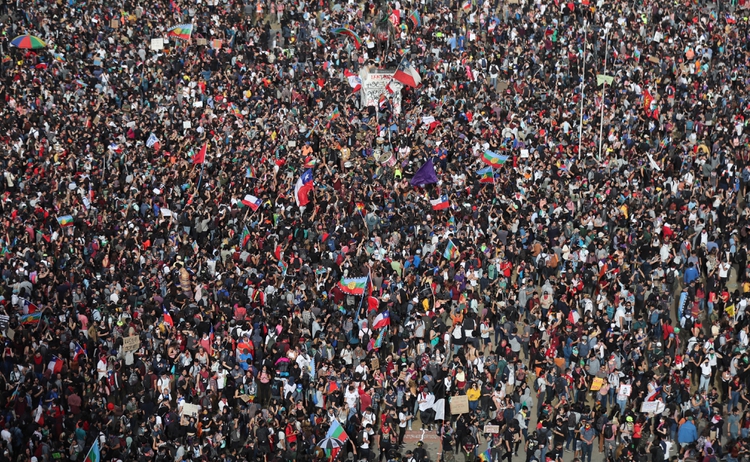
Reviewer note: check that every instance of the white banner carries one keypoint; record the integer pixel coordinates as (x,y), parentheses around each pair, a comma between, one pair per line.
(374,86)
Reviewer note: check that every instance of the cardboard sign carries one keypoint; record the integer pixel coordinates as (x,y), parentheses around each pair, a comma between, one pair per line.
(597,384)
(11,334)
(245,398)
(157,44)
(654,59)
(492,429)
(625,391)
(649,407)
(131,343)
(190,410)
(201,41)
(114,24)
(459,404)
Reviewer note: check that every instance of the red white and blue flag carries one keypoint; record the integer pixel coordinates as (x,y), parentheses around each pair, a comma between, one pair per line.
(168,317)
(302,188)
(251,201)
(354,81)
(55,365)
(441,203)
(78,352)
(382,320)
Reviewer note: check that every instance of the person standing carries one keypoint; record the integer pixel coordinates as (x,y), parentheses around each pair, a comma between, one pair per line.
(587,441)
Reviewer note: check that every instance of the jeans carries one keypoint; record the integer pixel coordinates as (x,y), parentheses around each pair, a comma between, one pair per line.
(586,450)
(623,404)
(734,401)
(704,383)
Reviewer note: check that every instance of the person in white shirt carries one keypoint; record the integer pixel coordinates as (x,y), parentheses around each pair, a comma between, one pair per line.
(403,420)
(351,396)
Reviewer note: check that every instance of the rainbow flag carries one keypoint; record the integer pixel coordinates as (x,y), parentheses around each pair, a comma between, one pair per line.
(320,41)
(486,456)
(32,318)
(492,159)
(353,286)
(65,221)
(451,251)
(181,31)
(415,18)
(349,33)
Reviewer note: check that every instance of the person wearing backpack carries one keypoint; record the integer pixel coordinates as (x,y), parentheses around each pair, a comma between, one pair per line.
(609,432)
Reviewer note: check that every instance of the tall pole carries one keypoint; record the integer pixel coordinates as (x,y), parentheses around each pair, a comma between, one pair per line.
(583,79)
(604,89)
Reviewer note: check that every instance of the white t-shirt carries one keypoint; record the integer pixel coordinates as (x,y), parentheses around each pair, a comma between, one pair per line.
(351,397)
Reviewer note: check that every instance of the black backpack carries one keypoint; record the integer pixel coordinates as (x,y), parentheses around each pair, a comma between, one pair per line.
(608,433)
(670,277)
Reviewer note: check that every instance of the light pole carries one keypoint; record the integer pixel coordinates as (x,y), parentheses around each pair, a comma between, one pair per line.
(583,86)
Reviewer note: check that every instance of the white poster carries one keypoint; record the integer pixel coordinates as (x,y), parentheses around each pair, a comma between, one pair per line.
(374,86)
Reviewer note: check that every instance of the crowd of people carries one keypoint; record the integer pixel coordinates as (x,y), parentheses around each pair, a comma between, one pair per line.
(213,250)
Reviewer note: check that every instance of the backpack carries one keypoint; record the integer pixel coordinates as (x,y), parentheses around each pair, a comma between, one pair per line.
(608,433)
(670,277)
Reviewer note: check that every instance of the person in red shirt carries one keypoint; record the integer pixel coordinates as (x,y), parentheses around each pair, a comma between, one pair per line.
(666,329)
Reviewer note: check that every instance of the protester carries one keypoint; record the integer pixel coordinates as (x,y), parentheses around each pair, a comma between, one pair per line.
(212,248)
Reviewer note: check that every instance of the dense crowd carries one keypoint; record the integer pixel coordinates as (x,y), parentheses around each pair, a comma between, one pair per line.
(214,251)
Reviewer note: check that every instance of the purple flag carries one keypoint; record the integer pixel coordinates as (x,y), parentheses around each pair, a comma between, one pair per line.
(425,175)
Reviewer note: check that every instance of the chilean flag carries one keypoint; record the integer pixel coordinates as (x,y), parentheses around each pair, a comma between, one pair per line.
(409,76)
(252,202)
(382,320)
(78,352)
(56,365)
(354,81)
(302,188)
(441,203)
(168,317)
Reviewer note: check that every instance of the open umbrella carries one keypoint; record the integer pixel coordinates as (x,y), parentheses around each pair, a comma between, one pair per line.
(330,443)
(29,42)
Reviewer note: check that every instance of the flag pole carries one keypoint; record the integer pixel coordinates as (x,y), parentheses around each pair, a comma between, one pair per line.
(364,294)
(604,89)
(583,85)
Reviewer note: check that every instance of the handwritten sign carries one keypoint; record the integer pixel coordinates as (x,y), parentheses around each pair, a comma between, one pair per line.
(649,407)
(131,343)
(157,44)
(374,86)
(597,384)
(459,404)
(190,410)
(492,429)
